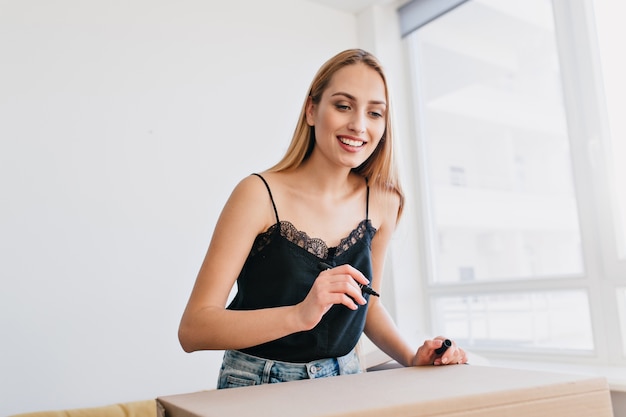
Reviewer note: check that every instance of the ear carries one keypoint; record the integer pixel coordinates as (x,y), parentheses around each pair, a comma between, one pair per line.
(310,108)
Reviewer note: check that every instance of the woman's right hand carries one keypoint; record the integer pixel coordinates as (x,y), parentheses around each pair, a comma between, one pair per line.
(339,285)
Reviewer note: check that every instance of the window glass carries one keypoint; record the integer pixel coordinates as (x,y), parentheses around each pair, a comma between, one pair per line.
(526,320)
(495,144)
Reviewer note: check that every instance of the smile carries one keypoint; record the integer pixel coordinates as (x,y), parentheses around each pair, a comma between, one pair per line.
(351,142)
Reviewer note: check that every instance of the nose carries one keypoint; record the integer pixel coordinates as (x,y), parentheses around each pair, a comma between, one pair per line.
(357,122)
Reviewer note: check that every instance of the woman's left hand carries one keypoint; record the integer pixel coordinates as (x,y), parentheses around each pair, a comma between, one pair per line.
(426,354)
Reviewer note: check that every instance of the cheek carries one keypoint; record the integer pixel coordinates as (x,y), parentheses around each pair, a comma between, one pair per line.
(331,119)
(327,123)
(378,132)
(316,117)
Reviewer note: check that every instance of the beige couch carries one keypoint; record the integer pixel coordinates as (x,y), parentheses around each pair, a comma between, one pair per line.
(145,408)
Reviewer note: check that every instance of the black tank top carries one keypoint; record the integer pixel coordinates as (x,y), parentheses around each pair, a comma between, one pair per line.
(280,270)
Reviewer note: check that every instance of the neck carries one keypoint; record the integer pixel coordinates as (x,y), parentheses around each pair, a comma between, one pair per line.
(326,179)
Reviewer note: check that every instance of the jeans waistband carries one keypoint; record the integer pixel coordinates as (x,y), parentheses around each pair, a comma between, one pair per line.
(270,371)
(312,365)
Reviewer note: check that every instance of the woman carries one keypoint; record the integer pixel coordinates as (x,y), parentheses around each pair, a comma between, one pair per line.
(303,238)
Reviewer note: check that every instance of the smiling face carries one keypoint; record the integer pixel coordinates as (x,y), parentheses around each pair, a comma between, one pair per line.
(350,117)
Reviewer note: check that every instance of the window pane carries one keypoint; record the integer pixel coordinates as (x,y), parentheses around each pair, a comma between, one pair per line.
(495,142)
(539,320)
(611,30)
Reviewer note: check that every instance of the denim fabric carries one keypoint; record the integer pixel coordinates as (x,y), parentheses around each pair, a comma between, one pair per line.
(240,369)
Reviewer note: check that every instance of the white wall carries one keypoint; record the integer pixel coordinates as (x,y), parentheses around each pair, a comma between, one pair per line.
(123,127)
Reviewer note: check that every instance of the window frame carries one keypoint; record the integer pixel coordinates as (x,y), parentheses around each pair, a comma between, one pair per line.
(586,116)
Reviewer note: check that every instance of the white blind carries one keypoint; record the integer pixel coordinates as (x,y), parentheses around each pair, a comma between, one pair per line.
(417,13)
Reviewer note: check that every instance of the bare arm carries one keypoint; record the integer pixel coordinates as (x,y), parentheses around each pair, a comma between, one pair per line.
(380,327)
(206,323)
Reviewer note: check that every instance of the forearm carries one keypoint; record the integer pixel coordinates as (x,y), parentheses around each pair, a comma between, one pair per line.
(383,332)
(214,328)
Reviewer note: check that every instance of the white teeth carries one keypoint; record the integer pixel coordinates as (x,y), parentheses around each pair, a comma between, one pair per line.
(351,142)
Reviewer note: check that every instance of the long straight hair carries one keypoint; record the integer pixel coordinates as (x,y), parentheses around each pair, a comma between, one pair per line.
(380,168)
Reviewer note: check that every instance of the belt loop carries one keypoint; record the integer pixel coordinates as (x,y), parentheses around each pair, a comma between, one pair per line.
(343,361)
(267,369)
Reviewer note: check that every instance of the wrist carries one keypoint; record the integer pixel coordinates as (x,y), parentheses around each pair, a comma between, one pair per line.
(414,360)
(407,359)
(295,321)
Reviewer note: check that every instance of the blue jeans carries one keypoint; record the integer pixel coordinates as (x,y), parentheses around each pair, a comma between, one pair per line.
(240,369)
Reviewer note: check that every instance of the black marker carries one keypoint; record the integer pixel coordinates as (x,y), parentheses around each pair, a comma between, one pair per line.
(364,288)
(444,346)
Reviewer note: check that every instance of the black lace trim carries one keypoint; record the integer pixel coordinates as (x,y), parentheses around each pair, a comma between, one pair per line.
(315,246)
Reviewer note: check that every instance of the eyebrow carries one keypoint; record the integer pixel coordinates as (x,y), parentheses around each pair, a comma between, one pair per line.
(351,97)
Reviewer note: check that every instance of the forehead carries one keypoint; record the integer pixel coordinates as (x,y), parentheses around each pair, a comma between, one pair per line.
(360,81)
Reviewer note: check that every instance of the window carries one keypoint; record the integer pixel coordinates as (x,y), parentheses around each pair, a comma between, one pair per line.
(510,197)
(538,320)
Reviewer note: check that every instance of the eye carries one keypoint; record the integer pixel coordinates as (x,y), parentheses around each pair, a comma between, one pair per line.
(342,107)
(376,113)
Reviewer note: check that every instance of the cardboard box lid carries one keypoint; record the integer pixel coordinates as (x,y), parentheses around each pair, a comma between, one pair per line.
(416,391)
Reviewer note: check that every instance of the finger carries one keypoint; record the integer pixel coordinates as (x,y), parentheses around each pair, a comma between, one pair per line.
(456,355)
(349,302)
(348,287)
(445,344)
(444,349)
(339,290)
(448,358)
(344,299)
(433,345)
(352,272)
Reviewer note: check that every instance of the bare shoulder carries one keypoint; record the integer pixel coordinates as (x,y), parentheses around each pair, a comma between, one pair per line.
(384,207)
(251,201)
(250,187)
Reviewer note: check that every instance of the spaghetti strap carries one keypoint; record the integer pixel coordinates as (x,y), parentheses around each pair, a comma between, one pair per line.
(270,193)
(367,200)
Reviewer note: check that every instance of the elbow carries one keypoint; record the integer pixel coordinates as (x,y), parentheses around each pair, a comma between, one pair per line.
(185,339)
(186,347)
(197,332)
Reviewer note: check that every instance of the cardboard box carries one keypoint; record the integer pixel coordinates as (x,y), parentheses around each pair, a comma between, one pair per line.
(453,391)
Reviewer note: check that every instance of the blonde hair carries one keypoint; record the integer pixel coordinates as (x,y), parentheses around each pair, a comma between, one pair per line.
(380,168)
